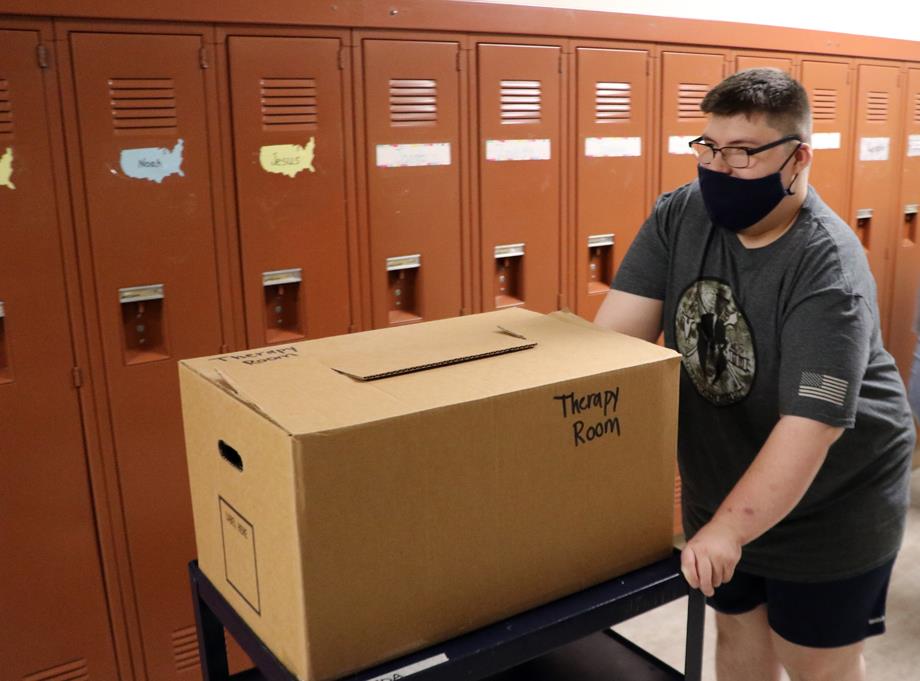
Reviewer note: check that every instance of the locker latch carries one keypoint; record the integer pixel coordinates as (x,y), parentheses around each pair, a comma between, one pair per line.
(864,226)
(509,275)
(910,222)
(5,375)
(600,262)
(403,284)
(282,307)
(142,321)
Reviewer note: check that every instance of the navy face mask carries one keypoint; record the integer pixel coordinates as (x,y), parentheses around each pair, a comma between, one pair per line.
(736,204)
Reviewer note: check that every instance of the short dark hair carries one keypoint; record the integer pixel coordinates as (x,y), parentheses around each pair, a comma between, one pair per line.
(767,91)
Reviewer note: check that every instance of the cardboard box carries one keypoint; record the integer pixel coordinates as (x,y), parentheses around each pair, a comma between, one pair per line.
(362,496)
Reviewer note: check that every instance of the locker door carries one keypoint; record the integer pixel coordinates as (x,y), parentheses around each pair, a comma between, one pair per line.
(686,78)
(612,190)
(289,140)
(145,155)
(875,172)
(520,108)
(829,91)
(756,61)
(51,589)
(901,336)
(412,122)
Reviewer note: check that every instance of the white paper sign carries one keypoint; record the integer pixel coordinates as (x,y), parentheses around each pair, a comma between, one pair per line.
(412,668)
(874,148)
(825,140)
(409,155)
(599,147)
(913,145)
(518,150)
(680,145)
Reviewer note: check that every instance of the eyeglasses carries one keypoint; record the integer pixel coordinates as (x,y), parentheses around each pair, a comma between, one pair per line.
(734,157)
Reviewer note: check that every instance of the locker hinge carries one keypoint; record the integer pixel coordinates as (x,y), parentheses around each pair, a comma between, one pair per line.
(77,371)
(459,60)
(341,57)
(560,62)
(42,54)
(224,349)
(203,57)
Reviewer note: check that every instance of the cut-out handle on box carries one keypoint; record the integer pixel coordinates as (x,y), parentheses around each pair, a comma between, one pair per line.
(230,455)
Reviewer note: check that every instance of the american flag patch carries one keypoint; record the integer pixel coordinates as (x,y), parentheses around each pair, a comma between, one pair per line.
(823,387)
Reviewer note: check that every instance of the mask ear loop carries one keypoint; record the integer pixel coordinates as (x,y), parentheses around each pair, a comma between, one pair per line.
(788,189)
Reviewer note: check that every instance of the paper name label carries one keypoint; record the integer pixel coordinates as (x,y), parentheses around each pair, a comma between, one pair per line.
(680,144)
(153,163)
(825,140)
(518,150)
(411,155)
(600,147)
(408,670)
(596,412)
(6,169)
(874,148)
(239,544)
(913,146)
(288,159)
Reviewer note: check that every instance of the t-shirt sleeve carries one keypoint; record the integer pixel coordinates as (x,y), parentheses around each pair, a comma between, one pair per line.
(644,270)
(825,351)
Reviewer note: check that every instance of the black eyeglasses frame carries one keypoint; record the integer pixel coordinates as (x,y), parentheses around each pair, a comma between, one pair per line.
(750,152)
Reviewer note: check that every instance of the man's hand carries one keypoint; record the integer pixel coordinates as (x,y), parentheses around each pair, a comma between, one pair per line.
(709,559)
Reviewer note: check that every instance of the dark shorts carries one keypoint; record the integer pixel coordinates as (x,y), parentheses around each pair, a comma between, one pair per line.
(813,614)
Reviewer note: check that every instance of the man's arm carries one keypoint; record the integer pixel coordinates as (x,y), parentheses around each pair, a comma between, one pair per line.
(630,314)
(776,481)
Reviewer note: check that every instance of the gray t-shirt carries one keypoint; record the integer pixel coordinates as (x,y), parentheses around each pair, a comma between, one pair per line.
(791,328)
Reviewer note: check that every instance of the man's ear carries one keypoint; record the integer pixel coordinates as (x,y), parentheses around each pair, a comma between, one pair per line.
(803,157)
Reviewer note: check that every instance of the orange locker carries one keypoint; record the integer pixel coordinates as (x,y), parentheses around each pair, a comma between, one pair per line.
(288,96)
(830,91)
(54,604)
(146,166)
(520,118)
(744,60)
(876,168)
(906,288)
(613,114)
(413,126)
(685,79)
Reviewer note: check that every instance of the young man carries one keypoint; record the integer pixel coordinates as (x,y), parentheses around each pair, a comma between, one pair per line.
(795,436)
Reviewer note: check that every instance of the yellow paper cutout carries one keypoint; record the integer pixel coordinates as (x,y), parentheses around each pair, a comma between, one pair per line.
(288,159)
(6,169)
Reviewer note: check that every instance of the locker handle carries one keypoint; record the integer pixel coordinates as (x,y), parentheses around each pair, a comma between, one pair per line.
(509,251)
(910,223)
(404,262)
(600,240)
(278,277)
(138,294)
(864,225)
(230,455)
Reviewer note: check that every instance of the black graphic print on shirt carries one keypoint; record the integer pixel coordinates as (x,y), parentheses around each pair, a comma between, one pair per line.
(715,342)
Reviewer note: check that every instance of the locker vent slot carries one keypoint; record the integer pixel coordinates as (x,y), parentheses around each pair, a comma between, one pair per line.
(413,102)
(185,648)
(143,105)
(289,103)
(6,108)
(69,671)
(877,107)
(689,98)
(613,102)
(824,104)
(917,108)
(520,101)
